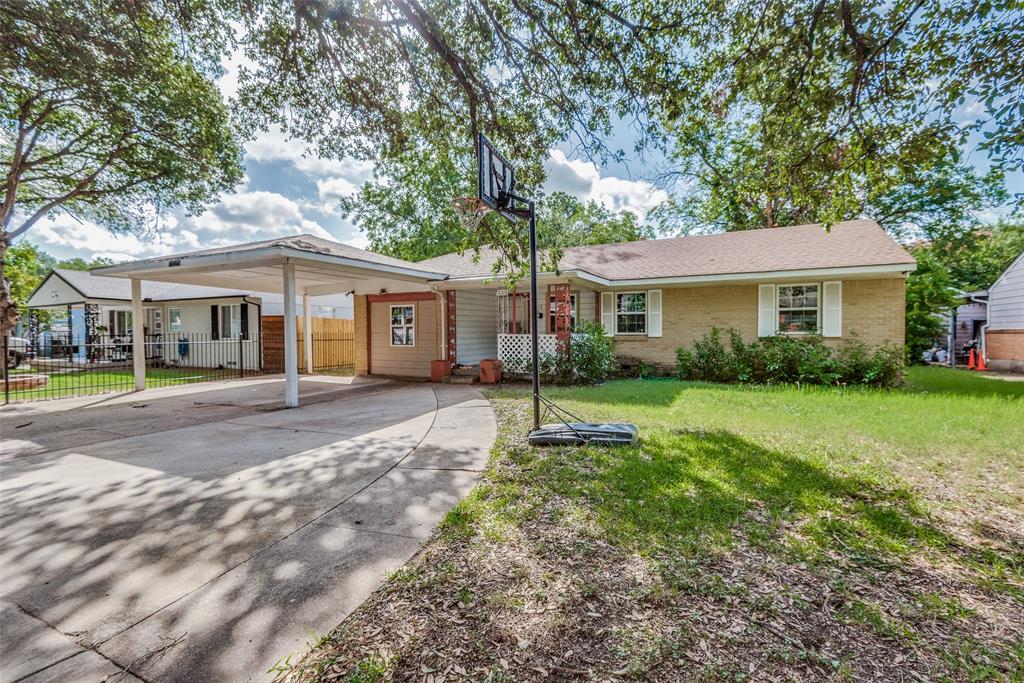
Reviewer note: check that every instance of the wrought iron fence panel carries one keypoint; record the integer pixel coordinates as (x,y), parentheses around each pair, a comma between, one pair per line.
(61,365)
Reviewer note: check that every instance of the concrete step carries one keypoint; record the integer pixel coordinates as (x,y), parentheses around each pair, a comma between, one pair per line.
(462,379)
(466,371)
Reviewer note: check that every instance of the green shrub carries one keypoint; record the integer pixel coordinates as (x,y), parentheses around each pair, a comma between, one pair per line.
(686,364)
(591,356)
(715,362)
(784,359)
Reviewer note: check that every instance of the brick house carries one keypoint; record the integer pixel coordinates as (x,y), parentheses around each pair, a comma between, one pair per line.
(652,296)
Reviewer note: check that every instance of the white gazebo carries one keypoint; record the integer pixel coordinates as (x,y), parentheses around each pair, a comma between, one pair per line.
(303,264)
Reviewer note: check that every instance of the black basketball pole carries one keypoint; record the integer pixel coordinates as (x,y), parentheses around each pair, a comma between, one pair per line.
(534,339)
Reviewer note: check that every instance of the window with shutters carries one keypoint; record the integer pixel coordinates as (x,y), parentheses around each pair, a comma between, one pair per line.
(631,313)
(798,308)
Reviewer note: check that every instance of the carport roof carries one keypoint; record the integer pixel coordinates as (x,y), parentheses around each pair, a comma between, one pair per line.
(322,267)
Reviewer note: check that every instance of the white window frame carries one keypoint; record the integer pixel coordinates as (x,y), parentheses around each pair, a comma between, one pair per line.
(234,320)
(647,304)
(816,309)
(173,326)
(573,315)
(120,322)
(411,326)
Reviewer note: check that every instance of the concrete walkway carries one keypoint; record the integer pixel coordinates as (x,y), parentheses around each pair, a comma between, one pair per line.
(202,533)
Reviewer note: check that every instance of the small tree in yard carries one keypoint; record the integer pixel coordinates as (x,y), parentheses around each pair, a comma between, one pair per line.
(930,293)
(105,119)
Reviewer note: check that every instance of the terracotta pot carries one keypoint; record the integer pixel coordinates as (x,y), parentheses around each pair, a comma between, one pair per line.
(439,369)
(490,371)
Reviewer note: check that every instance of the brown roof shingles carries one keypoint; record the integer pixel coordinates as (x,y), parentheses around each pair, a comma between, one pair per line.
(801,247)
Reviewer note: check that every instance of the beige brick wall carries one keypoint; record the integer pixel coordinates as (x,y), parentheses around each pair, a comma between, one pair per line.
(361,339)
(872,312)
(687,314)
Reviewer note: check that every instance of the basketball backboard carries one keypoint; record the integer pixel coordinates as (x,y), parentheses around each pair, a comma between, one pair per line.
(496,179)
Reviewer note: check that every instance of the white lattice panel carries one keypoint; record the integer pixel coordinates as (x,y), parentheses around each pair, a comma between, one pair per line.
(514,350)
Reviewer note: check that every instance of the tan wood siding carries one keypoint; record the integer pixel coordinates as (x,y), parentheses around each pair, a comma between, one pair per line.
(403,361)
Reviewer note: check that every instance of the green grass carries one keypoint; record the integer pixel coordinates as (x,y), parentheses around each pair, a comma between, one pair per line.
(951,424)
(835,528)
(92,382)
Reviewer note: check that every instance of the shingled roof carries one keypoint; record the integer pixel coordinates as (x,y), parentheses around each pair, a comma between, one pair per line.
(849,244)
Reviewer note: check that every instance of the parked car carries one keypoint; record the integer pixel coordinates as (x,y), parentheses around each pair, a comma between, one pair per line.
(18,351)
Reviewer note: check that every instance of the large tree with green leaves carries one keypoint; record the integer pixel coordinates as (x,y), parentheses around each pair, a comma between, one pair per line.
(821,111)
(108,115)
(975,258)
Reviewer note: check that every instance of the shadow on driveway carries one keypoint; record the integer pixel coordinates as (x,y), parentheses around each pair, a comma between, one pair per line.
(209,537)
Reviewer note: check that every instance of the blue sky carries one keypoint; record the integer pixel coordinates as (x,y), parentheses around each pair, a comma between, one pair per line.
(288,191)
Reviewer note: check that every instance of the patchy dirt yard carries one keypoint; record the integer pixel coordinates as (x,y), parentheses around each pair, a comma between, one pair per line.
(710,552)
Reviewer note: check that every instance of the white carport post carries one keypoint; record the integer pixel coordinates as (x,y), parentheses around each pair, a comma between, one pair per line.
(291,342)
(307,333)
(138,337)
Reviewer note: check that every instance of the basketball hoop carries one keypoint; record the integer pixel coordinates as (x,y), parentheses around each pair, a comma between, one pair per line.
(470,211)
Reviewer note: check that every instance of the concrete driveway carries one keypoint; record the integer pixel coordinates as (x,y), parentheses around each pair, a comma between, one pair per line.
(202,533)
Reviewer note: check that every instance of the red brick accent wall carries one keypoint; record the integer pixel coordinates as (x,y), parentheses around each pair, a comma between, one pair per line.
(1005,344)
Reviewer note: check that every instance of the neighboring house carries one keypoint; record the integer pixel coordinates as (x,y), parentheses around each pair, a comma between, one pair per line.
(652,296)
(965,324)
(1004,332)
(94,310)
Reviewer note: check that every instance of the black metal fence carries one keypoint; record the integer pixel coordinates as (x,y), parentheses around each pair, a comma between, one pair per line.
(59,366)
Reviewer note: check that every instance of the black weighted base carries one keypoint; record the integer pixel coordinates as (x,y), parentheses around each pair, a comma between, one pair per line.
(580,433)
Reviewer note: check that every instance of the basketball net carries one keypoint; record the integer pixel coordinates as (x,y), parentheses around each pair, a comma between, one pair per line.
(470,211)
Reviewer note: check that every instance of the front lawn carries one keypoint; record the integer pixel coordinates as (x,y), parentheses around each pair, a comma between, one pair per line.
(89,382)
(754,533)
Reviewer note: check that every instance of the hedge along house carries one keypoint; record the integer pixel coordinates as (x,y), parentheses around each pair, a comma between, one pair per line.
(93,312)
(652,296)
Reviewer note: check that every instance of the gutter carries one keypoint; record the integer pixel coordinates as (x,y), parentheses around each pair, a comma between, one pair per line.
(886,269)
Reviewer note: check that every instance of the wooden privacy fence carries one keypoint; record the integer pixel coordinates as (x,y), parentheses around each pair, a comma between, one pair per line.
(333,343)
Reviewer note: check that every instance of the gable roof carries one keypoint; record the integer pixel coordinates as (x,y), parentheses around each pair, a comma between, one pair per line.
(850,244)
(99,287)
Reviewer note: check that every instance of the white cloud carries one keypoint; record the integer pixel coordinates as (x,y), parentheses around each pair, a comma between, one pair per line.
(273,145)
(584,180)
(237,218)
(335,188)
(68,237)
(251,213)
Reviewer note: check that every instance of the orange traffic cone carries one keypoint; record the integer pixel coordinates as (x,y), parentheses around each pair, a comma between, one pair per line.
(970,361)
(981,362)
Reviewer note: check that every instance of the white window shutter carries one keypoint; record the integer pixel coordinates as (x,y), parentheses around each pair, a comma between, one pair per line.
(767,320)
(832,309)
(608,312)
(654,313)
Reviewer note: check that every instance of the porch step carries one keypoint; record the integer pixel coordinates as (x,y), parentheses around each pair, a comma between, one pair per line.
(462,379)
(466,371)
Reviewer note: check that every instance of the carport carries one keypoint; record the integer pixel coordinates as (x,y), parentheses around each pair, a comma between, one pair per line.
(302,264)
